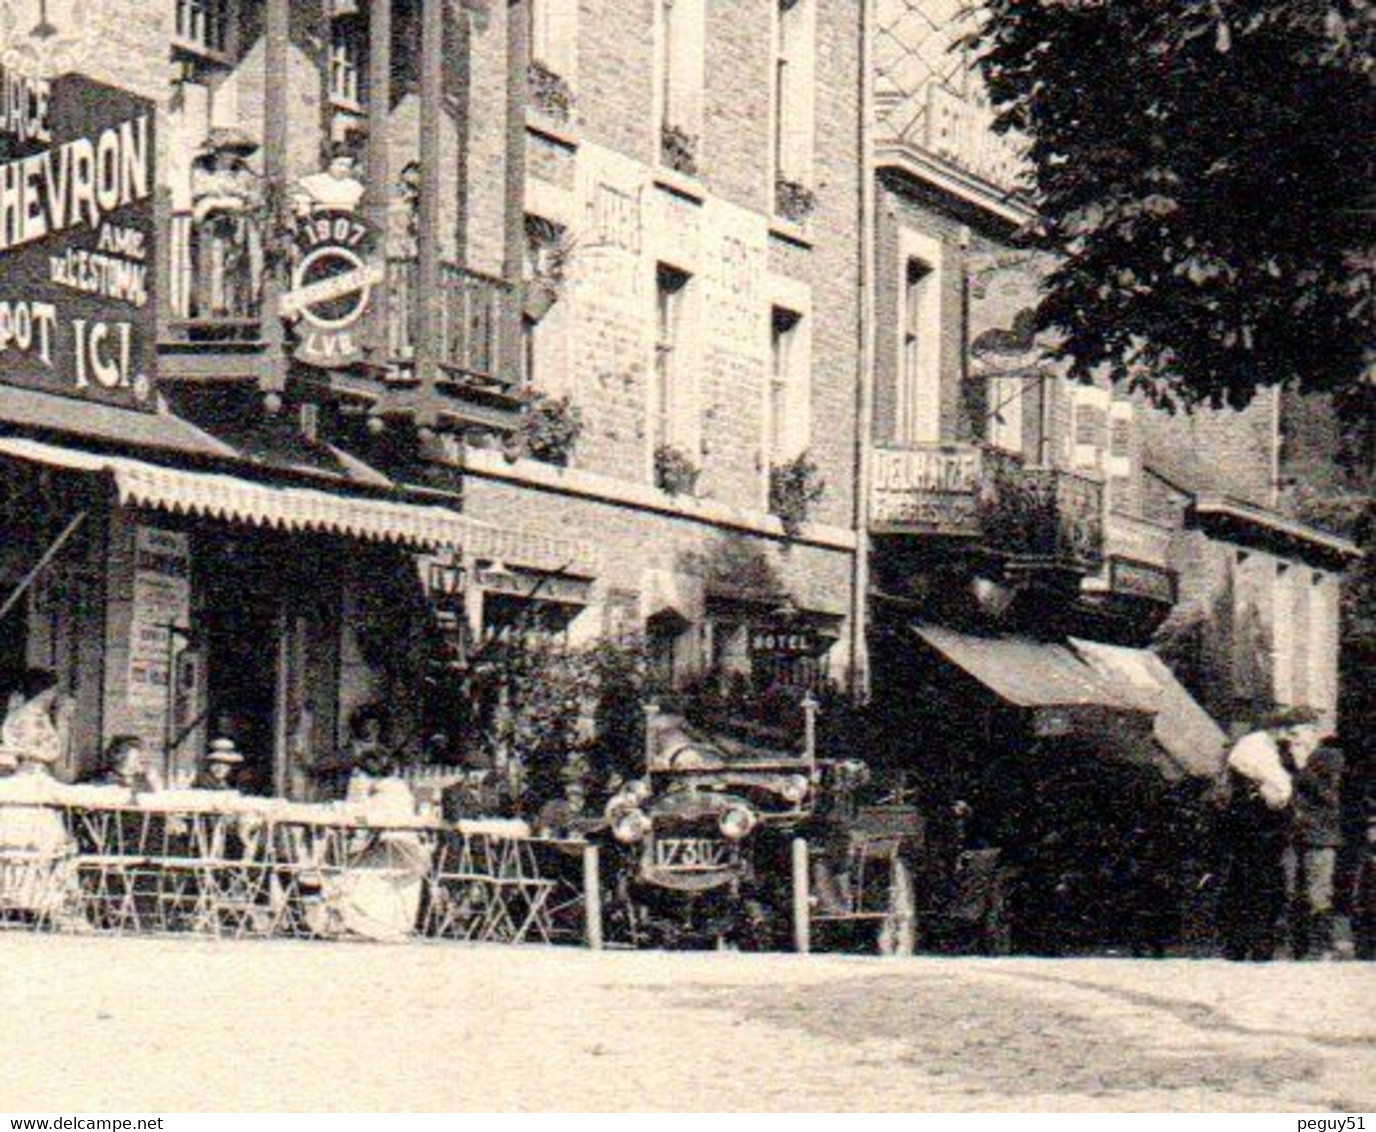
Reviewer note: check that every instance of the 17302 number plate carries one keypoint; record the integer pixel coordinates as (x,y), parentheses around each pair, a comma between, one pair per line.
(686,853)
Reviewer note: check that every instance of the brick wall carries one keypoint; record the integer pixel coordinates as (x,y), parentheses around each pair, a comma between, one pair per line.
(602,183)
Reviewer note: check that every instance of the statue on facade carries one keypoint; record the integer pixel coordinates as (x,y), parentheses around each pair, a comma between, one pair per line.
(226,212)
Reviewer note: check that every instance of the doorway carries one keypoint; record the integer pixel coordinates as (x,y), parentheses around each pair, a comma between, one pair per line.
(240,628)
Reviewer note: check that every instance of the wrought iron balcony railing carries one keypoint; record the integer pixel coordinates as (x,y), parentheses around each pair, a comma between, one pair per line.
(470,320)
(215,301)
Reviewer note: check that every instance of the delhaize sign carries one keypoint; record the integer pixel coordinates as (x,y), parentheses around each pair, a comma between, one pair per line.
(77,239)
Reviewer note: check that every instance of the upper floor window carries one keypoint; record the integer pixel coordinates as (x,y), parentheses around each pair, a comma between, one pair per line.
(1090,406)
(788,425)
(553,56)
(1118,462)
(348,63)
(918,401)
(680,30)
(202,26)
(674,391)
(794,86)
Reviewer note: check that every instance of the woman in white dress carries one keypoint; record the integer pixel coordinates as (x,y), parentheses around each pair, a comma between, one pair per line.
(37,874)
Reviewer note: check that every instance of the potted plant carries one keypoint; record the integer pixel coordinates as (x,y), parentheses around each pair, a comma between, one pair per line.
(679,150)
(549,428)
(793,200)
(550,92)
(793,488)
(675,471)
(550,249)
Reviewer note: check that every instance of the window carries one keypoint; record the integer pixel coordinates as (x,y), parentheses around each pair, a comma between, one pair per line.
(553,57)
(1119,463)
(673,409)
(347,63)
(788,425)
(554,36)
(202,26)
(794,46)
(680,65)
(917,408)
(1089,425)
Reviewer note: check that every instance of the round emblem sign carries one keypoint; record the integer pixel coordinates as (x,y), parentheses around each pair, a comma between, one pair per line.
(331,287)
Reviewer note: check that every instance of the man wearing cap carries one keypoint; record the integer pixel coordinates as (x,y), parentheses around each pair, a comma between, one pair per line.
(220,765)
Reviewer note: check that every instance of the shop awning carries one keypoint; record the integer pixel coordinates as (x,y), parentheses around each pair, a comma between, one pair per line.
(235,499)
(35,410)
(1184,730)
(1023,672)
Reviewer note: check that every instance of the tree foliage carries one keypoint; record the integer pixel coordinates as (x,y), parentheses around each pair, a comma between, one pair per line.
(1205,169)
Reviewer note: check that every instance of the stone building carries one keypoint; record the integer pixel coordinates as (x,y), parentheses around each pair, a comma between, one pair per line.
(414,322)
(1074,596)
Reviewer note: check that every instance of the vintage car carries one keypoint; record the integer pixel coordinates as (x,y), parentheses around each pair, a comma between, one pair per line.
(744,839)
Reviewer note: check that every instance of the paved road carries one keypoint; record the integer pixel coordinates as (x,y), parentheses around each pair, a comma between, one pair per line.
(171,1025)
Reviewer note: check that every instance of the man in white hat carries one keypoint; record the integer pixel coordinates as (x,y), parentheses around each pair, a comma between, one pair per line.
(220,765)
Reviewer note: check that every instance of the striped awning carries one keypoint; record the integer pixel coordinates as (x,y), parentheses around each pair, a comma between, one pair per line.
(231,498)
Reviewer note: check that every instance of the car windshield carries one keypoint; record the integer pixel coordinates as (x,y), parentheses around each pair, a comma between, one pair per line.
(677,744)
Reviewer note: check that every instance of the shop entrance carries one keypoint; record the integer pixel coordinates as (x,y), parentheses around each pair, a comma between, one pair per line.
(240,623)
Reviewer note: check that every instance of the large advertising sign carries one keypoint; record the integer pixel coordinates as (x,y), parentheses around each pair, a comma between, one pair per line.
(332,286)
(78,239)
(932,488)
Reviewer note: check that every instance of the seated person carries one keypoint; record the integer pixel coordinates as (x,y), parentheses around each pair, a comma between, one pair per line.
(31,828)
(126,765)
(566,818)
(364,752)
(220,765)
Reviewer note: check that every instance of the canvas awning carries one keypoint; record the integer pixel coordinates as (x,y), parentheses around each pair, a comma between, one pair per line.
(1024,672)
(236,499)
(1185,731)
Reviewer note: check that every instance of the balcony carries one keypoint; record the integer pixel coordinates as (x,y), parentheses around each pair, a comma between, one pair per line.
(991,501)
(214,304)
(216,327)
(470,323)
(1136,561)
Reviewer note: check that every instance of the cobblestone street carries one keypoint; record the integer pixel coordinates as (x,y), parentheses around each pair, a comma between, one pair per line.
(170,1025)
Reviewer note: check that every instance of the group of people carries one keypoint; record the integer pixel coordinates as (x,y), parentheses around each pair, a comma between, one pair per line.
(1283,829)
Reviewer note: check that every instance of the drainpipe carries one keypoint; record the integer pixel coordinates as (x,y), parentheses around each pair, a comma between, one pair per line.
(864,406)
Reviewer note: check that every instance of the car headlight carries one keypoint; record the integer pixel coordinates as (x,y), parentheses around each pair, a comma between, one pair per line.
(795,789)
(737,822)
(630,826)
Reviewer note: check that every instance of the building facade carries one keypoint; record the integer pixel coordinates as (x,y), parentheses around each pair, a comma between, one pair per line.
(422,323)
(1180,513)
(1075,596)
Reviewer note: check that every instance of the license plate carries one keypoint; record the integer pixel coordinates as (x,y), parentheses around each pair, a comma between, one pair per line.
(686,853)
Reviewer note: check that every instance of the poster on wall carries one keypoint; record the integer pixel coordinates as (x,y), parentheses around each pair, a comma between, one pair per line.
(162,602)
(78,308)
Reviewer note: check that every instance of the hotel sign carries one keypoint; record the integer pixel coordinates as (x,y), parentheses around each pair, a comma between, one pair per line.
(77,239)
(961,131)
(930,489)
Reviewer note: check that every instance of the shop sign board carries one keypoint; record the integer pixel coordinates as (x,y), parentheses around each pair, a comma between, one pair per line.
(781,642)
(928,488)
(78,239)
(332,287)
(161,602)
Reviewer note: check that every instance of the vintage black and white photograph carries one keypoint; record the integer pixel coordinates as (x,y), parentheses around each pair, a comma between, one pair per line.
(687,556)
